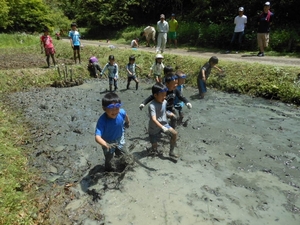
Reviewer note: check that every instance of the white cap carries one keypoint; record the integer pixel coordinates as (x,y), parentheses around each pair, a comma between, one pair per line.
(159,56)
(241,9)
(267,3)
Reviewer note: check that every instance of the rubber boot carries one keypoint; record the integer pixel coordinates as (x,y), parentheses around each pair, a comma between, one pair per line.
(136,86)
(127,86)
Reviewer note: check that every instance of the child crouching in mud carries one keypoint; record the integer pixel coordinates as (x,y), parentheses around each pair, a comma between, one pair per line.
(158,121)
(110,128)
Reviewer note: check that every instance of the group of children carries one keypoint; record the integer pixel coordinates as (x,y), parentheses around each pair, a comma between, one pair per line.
(164,102)
(48,47)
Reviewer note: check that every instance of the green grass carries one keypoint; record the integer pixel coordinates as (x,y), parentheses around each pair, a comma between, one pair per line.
(17,180)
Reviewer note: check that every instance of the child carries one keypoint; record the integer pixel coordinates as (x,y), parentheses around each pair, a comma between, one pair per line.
(135,43)
(177,103)
(113,72)
(158,119)
(75,41)
(46,43)
(110,128)
(157,68)
(131,72)
(94,66)
(204,74)
(172,93)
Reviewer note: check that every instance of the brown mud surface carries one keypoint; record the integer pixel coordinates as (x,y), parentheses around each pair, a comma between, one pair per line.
(239,157)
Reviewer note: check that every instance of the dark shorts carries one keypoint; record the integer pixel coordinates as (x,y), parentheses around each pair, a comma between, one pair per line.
(76,47)
(130,78)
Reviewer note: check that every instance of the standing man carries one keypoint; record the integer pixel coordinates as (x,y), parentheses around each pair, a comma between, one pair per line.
(163,29)
(240,22)
(264,22)
(172,35)
(149,32)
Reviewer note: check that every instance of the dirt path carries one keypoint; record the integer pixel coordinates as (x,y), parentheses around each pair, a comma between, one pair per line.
(273,60)
(239,160)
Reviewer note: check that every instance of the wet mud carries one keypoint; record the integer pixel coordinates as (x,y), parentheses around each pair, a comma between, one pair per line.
(239,160)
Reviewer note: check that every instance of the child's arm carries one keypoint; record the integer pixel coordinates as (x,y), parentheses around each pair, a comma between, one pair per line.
(128,71)
(146,101)
(127,121)
(220,70)
(203,74)
(182,98)
(42,46)
(104,69)
(117,72)
(101,141)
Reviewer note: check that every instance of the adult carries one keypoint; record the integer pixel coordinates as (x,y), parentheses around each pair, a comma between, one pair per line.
(172,35)
(149,32)
(163,29)
(264,22)
(240,22)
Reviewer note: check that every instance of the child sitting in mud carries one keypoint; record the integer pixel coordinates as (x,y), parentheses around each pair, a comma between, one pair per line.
(110,128)
(113,72)
(94,66)
(172,93)
(131,75)
(204,74)
(47,45)
(158,119)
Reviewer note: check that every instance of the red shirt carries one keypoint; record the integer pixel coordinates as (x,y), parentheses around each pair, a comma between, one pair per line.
(47,40)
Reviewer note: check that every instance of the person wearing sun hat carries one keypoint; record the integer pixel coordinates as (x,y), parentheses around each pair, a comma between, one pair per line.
(264,22)
(163,29)
(240,22)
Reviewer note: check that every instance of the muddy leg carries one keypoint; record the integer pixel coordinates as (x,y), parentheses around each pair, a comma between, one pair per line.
(173,143)
(108,158)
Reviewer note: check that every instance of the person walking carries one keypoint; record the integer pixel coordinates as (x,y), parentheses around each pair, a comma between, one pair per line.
(264,22)
(240,22)
(172,35)
(163,29)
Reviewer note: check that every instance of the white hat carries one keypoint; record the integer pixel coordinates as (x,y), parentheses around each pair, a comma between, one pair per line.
(267,3)
(159,56)
(162,16)
(241,9)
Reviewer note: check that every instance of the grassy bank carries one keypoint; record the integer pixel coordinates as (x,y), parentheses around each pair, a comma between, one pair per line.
(17,206)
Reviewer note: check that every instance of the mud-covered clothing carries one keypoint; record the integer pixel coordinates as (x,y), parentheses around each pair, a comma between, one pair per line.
(264,21)
(160,111)
(74,35)
(170,98)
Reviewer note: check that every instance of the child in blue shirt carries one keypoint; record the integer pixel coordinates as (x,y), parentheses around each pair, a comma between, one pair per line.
(131,66)
(110,128)
(113,72)
(74,36)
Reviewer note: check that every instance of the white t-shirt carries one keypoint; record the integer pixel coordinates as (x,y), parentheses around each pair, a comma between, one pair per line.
(240,22)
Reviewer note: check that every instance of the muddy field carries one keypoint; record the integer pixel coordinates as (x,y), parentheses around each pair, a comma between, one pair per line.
(239,157)
(239,160)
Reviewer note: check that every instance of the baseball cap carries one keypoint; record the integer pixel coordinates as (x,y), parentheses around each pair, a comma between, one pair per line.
(267,3)
(173,14)
(241,9)
(162,16)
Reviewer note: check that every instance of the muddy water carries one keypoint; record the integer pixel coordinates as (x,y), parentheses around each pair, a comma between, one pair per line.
(239,160)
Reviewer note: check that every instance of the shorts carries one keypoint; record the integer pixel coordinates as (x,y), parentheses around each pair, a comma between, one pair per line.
(263,39)
(130,78)
(49,51)
(155,137)
(172,35)
(157,75)
(76,47)
(201,86)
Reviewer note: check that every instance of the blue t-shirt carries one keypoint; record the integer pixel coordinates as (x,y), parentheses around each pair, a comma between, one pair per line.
(75,36)
(111,129)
